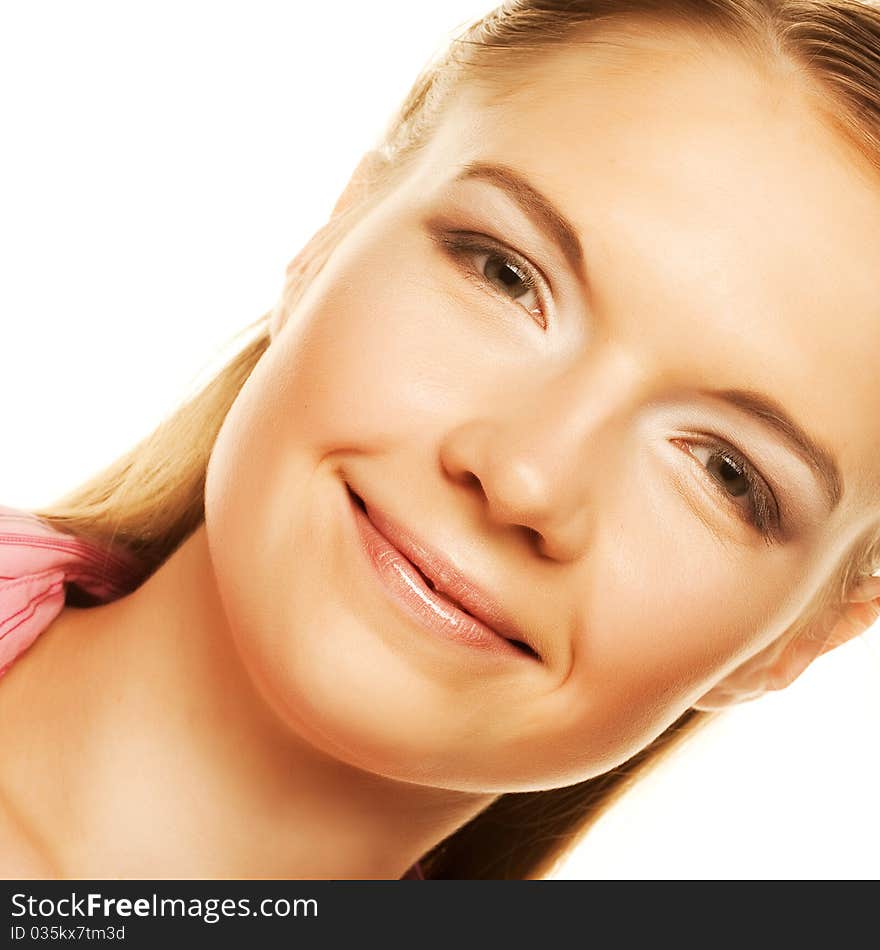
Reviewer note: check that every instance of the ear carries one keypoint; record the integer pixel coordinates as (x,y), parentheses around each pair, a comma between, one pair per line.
(783,661)
(360,181)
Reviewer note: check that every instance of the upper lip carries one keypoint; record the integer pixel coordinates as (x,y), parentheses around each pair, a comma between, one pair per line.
(447,578)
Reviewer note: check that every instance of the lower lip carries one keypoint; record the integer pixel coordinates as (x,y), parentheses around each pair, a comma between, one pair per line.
(430,609)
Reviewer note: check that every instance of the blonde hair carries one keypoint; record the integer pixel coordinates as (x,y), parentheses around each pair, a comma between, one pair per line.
(151,498)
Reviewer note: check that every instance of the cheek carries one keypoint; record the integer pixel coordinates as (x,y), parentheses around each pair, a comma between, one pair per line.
(275,520)
(668,609)
(368,359)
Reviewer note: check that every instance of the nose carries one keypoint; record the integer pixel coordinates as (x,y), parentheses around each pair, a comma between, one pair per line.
(538,456)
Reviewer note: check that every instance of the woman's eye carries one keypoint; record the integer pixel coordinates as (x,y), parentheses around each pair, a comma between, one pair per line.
(739,484)
(509,278)
(727,472)
(505,272)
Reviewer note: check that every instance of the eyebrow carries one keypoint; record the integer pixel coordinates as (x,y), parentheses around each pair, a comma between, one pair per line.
(768,411)
(537,206)
(553,223)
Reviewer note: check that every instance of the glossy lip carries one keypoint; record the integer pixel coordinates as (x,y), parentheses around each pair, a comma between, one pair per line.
(455,607)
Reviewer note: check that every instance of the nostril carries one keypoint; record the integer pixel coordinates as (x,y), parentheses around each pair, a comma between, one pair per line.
(535,537)
(470,481)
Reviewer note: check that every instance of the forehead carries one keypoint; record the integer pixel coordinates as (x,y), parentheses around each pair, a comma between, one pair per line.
(714,206)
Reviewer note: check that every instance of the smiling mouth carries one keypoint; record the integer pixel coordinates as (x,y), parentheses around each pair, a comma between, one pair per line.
(518,645)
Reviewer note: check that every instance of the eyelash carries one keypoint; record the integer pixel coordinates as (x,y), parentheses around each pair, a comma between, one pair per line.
(763,513)
(461,244)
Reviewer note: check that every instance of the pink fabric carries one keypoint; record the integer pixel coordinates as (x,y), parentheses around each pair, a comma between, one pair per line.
(36,562)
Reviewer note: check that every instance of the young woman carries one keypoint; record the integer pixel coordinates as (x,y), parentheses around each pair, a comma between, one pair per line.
(551,449)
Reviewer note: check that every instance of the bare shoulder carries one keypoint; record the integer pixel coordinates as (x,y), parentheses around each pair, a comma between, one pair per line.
(20,858)
(21,854)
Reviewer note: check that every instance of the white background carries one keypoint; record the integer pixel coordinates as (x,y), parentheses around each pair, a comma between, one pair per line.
(161,163)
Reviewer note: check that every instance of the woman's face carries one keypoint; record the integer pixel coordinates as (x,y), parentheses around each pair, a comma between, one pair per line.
(596,422)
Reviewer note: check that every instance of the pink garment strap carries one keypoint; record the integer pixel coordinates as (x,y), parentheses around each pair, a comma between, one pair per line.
(36,561)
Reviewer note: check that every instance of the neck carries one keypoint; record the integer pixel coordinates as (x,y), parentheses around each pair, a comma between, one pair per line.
(135,745)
